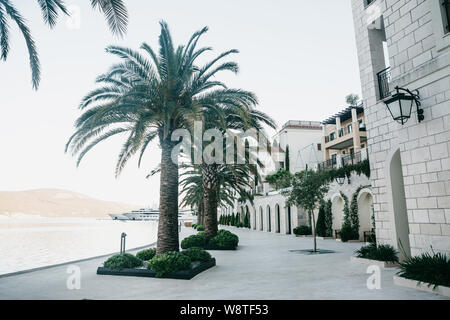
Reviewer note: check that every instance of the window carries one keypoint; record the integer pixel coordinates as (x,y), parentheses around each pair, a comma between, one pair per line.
(319,147)
(446,14)
(367,2)
(332,136)
(341,132)
(334,159)
(349,128)
(363,145)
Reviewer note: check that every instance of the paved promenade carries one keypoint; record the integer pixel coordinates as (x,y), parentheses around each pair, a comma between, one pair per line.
(262,268)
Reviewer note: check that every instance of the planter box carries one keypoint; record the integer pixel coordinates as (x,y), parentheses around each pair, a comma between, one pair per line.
(196,268)
(383,264)
(422,286)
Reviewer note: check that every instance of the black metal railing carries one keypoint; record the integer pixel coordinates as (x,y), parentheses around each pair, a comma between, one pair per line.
(446,4)
(384,78)
(352,158)
(328,164)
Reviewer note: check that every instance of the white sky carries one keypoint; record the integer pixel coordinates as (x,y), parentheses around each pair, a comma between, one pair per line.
(299,57)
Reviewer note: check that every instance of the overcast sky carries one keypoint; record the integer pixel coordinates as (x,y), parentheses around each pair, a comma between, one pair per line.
(299,57)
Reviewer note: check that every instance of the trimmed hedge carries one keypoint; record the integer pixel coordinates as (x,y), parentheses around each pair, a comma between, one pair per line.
(168,262)
(197,254)
(302,231)
(196,240)
(123,261)
(147,254)
(224,239)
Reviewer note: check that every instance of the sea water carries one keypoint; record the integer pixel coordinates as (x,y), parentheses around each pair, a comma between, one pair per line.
(27,243)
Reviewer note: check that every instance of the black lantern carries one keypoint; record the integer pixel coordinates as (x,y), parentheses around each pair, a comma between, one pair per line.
(340,180)
(401,103)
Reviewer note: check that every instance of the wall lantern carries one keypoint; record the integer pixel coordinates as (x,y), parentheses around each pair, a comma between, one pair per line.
(401,103)
(340,180)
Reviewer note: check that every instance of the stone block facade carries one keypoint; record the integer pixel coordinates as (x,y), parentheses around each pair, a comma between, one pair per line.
(410,163)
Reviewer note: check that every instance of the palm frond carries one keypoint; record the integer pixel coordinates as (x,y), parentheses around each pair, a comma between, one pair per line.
(116,14)
(50,9)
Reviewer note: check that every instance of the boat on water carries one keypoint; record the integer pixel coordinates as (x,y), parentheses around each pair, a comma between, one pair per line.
(145,214)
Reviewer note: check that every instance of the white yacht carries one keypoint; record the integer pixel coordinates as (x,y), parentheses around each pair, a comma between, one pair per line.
(150,214)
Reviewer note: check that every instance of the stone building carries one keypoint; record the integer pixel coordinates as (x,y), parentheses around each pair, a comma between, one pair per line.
(406,44)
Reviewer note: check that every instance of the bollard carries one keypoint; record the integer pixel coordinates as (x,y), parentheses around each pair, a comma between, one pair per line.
(122,242)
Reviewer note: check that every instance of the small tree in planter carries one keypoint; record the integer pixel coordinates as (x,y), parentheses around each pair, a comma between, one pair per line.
(308,190)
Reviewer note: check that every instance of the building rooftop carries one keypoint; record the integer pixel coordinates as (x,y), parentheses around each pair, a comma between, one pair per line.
(344,114)
(300,124)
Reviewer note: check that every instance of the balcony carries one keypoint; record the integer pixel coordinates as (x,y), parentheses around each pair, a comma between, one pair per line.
(384,78)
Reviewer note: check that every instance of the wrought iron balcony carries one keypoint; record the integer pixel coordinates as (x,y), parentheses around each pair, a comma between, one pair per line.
(384,78)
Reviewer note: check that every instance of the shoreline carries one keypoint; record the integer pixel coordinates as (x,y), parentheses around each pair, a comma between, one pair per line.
(11,274)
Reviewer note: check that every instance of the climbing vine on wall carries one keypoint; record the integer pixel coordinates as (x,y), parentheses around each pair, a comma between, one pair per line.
(354,218)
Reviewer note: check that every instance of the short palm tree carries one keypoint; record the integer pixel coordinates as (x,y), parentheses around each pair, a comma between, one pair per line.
(114,10)
(148,98)
(229,116)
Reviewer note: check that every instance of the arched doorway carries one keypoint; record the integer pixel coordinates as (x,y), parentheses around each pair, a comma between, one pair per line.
(269,222)
(365,212)
(398,204)
(288,220)
(277,219)
(261,219)
(254,218)
(337,210)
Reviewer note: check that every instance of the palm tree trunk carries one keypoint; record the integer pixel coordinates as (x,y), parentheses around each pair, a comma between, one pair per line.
(168,201)
(209,179)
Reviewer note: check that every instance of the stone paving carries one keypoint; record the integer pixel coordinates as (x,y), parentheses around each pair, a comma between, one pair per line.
(262,268)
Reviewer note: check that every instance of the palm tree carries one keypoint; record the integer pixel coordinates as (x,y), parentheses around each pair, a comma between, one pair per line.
(114,10)
(149,98)
(234,116)
(229,184)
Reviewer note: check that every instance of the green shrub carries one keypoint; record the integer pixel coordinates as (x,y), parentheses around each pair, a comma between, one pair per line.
(147,254)
(320,224)
(123,261)
(302,231)
(194,226)
(197,254)
(433,269)
(196,240)
(200,228)
(201,233)
(348,233)
(168,262)
(224,239)
(380,252)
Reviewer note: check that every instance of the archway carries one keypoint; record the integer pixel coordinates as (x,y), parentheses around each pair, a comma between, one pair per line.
(398,203)
(365,212)
(288,220)
(337,210)
(254,218)
(277,219)
(261,219)
(269,222)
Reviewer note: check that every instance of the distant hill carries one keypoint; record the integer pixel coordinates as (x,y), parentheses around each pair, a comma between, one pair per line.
(57,203)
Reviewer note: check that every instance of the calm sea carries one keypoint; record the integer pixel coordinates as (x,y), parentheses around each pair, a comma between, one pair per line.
(27,243)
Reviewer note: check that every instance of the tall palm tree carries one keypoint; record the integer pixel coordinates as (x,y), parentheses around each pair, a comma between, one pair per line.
(114,10)
(149,98)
